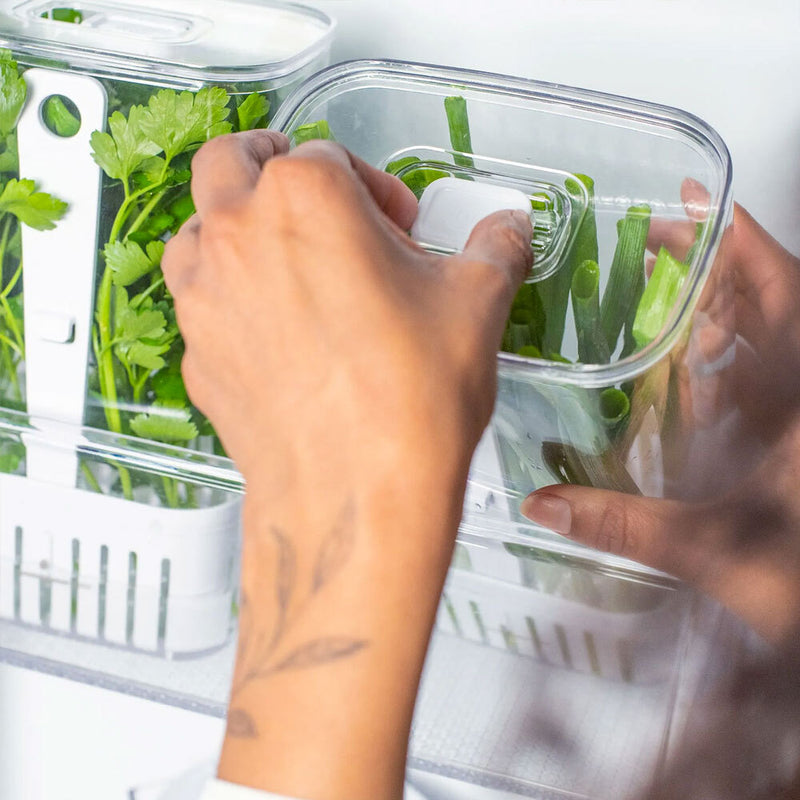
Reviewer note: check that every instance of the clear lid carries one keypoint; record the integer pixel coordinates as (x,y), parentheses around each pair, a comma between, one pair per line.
(205,39)
(588,163)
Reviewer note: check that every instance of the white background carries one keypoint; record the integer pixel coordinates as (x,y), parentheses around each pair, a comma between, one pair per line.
(735,64)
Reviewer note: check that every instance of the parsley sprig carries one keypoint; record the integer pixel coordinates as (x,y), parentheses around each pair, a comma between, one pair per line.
(146,153)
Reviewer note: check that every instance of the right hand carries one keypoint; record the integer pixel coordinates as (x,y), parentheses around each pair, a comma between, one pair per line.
(743,546)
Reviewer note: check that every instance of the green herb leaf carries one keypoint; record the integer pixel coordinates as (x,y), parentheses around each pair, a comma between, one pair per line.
(169,387)
(128,261)
(38,210)
(9,158)
(123,150)
(252,113)
(165,423)
(13,92)
(176,122)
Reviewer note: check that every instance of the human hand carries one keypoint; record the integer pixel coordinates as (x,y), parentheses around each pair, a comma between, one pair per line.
(743,546)
(349,375)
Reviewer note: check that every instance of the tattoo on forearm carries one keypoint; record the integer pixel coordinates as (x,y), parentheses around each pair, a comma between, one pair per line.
(258,654)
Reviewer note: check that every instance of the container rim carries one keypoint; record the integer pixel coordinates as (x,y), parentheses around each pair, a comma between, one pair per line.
(691,127)
(140,68)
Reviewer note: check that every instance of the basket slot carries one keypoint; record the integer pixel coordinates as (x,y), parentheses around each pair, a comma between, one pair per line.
(34,583)
(146,601)
(120,570)
(10,562)
(62,568)
(88,591)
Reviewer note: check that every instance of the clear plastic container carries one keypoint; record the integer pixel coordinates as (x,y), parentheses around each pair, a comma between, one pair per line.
(621,389)
(103,106)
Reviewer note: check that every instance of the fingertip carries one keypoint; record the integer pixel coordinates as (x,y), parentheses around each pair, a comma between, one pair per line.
(504,239)
(549,510)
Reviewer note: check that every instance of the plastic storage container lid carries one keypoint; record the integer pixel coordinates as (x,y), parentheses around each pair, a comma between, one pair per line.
(195,39)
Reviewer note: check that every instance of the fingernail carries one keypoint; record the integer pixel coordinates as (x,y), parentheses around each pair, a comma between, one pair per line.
(549,511)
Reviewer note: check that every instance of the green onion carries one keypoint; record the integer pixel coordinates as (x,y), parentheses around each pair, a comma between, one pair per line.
(602,471)
(627,273)
(555,290)
(458,123)
(313,130)
(529,351)
(659,297)
(615,407)
(63,15)
(592,346)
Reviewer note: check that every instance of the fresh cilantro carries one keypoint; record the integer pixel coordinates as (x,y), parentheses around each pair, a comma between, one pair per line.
(176,122)
(38,210)
(123,150)
(252,113)
(128,261)
(165,423)
(59,117)
(13,92)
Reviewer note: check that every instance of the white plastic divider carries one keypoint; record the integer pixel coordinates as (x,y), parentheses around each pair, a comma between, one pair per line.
(59,263)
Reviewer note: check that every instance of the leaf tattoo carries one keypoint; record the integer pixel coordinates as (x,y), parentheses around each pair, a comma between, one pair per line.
(336,548)
(257,648)
(241,725)
(284,585)
(319,651)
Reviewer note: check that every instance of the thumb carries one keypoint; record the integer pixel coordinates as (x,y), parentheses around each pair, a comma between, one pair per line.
(502,241)
(663,534)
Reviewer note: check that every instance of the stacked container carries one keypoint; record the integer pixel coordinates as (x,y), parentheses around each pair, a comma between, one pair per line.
(119,514)
(616,354)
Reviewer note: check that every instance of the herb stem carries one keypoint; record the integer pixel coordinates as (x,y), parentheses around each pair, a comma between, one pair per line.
(11,367)
(90,478)
(146,211)
(140,298)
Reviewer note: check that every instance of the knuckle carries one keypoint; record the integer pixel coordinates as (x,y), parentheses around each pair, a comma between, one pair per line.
(615,532)
(212,150)
(306,175)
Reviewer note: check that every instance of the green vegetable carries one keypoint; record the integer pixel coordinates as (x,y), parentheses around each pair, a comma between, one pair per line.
(165,423)
(252,113)
(659,296)
(555,290)
(529,351)
(59,118)
(146,153)
(592,346)
(458,123)
(39,210)
(313,130)
(615,408)
(417,179)
(63,15)
(626,274)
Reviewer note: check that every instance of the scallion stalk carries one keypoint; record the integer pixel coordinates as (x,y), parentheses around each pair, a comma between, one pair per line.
(592,346)
(458,123)
(659,297)
(555,290)
(627,273)
(313,130)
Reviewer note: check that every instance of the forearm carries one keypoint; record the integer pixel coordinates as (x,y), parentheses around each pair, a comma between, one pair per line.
(326,681)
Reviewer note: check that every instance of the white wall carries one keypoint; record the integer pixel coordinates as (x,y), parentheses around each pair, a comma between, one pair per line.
(732,62)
